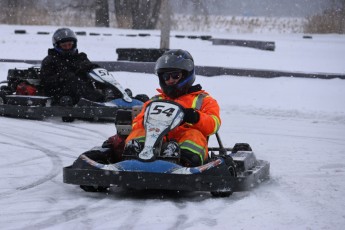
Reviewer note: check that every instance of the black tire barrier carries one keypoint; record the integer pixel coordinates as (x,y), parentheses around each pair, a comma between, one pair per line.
(262,45)
(43,33)
(139,55)
(20,31)
(81,33)
(202,37)
(144,35)
(205,37)
(207,71)
(307,37)
(192,37)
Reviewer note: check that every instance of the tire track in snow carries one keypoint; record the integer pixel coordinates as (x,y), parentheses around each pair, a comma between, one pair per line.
(80,211)
(52,155)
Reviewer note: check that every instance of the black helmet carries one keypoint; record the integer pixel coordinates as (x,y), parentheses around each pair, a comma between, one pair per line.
(176,60)
(64,35)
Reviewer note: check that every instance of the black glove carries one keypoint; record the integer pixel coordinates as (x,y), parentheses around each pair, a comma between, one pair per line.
(191,116)
(107,144)
(142,97)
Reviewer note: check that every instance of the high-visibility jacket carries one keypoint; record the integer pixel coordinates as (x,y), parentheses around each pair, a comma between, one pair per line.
(192,137)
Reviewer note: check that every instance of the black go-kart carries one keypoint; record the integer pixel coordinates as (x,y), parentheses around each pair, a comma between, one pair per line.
(227,170)
(16,99)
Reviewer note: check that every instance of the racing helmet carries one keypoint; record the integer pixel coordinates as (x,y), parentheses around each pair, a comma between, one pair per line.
(176,60)
(64,35)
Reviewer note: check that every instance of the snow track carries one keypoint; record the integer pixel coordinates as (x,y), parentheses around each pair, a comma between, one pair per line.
(304,155)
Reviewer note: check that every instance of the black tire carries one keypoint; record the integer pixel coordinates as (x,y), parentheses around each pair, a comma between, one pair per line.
(232,169)
(221,194)
(241,147)
(2,98)
(89,188)
(66,101)
(6,89)
(142,97)
(68,119)
(95,188)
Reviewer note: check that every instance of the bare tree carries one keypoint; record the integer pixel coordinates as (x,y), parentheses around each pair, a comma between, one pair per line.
(12,11)
(329,21)
(137,14)
(123,13)
(102,13)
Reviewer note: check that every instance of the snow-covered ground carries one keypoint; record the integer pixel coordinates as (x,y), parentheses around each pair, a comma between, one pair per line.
(296,124)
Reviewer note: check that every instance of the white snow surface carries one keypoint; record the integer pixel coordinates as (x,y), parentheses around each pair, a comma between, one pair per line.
(296,124)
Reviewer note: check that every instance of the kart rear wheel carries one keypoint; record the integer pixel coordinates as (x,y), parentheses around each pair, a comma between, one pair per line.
(241,147)
(2,98)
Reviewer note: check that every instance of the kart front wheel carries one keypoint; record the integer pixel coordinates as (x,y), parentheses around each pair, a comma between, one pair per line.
(68,119)
(221,194)
(88,188)
(232,170)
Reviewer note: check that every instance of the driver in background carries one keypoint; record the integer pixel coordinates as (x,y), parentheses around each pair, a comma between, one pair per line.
(64,71)
(176,74)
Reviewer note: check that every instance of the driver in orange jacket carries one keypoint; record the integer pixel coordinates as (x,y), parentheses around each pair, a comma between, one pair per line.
(175,70)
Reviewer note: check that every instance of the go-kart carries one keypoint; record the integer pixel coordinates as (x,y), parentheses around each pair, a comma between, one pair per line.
(226,171)
(15,102)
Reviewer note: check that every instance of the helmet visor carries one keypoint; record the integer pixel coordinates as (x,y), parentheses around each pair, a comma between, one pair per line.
(175,75)
(66,45)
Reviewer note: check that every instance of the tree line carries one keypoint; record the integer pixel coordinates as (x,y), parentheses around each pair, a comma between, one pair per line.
(132,14)
(140,14)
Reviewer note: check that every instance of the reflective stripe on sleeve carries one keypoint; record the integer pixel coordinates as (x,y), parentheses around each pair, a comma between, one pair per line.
(197,102)
(217,122)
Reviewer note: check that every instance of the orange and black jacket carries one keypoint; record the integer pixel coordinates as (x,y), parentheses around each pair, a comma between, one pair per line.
(198,99)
